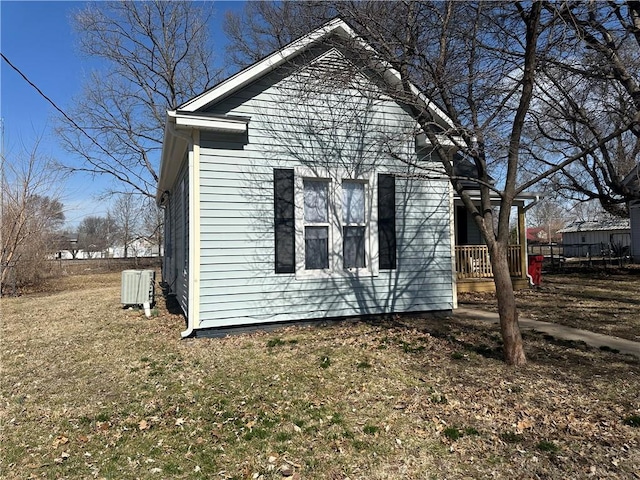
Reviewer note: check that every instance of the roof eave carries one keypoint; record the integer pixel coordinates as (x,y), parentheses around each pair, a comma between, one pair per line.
(266,65)
(177,137)
(278,58)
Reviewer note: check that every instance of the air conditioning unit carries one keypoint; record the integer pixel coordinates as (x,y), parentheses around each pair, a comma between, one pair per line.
(138,287)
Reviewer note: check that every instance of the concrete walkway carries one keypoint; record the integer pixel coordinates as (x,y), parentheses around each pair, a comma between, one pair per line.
(558,331)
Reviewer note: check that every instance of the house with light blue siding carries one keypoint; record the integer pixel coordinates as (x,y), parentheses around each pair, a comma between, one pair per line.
(293,191)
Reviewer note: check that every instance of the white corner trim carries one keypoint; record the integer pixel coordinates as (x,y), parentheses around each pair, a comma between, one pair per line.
(178,133)
(452,233)
(193,318)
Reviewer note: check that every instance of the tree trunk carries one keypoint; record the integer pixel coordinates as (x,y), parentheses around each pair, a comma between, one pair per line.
(509,328)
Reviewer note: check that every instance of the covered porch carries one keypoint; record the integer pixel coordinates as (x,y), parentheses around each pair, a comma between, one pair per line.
(473,268)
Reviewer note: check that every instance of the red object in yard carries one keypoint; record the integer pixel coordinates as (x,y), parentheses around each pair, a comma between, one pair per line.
(535,269)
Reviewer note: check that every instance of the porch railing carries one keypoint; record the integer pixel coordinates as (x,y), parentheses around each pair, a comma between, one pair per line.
(472,261)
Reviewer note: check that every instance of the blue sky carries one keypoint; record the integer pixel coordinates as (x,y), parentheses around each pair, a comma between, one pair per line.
(38,39)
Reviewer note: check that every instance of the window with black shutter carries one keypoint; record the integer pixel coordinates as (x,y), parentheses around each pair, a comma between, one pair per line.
(284,219)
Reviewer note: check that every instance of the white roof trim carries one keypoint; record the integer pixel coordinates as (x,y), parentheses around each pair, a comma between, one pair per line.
(178,133)
(267,64)
(444,140)
(205,122)
(271,62)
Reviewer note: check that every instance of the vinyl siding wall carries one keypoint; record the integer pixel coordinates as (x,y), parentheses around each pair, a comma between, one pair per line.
(331,131)
(177,238)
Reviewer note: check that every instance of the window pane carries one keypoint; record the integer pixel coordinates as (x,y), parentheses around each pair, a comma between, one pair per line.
(316,195)
(353,247)
(316,248)
(353,203)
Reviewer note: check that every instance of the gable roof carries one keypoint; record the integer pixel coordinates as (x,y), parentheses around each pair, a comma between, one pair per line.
(190,114)
(593,226)
(337,27)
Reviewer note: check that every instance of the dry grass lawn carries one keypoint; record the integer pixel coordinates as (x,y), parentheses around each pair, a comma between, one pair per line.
(90,390)
(595,300)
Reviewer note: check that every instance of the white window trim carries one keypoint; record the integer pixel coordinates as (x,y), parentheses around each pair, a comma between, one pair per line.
(335,179)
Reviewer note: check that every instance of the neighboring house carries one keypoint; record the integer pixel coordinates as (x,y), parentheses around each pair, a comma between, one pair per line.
(632,180)
(542,235)
(288,197)
(140,247)
(596,238)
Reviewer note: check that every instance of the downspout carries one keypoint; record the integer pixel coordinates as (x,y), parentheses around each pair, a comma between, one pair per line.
(189,139)
(526,246)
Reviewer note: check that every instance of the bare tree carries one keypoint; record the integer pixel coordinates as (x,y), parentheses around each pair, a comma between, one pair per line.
(591,92)
(152,225)
(31,214)
(261,29)
(588,211)
(551,214)
(483,63)
(126,213)
(96,235)
(156,55)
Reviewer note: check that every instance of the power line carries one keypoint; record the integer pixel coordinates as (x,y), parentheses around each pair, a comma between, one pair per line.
(42,94)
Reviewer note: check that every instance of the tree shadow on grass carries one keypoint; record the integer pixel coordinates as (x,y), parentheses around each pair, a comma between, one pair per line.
(544,350)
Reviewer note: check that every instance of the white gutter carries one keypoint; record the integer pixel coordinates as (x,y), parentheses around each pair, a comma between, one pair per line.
(536,199)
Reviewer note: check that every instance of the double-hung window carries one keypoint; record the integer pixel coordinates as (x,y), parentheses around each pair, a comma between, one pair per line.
(354,225)
(316,224)
(332,225)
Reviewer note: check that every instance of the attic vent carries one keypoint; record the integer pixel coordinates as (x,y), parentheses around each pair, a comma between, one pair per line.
(138,287)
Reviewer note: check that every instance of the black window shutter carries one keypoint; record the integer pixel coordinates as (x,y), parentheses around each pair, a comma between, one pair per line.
(461,225)
(387,221)
(284,219)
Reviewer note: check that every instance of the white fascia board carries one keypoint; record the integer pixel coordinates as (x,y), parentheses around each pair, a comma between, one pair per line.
(202,122)
(444,140)
(172,146)
(255,71)
(395,77)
